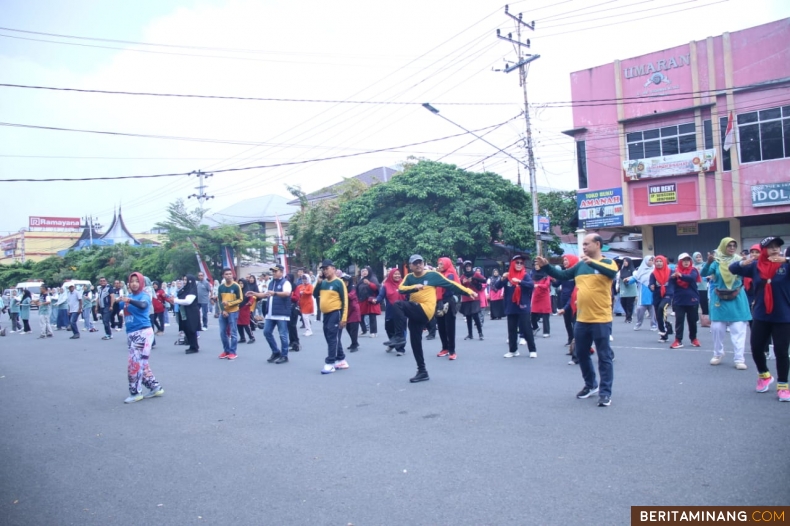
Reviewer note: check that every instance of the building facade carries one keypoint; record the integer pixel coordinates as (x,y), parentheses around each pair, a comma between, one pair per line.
(650,141)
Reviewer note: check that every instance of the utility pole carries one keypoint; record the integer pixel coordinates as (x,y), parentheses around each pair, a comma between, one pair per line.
(522,64)
(22,244)
(90,224)
(201,195)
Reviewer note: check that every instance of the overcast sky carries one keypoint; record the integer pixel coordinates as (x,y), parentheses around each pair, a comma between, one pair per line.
(405,52)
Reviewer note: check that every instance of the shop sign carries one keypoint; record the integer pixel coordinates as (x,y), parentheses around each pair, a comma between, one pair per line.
(8,245)
(670,165)
(771,194)
(544,224)
(687,229)
(662,194)
(54,222)
(600,208)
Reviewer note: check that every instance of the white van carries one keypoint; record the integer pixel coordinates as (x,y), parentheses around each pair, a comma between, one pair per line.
(33,286)
(79,284)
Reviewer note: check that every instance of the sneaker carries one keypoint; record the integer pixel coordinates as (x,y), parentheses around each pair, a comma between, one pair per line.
(354,348)
(741,366)
(586,392)
(274,357)
(159,391)
(106,337)
(480,336)
(396,342)
(400,353)
(443,353)
(390,349)
(133,398)
(372,334)
(281,359)
(512,354)
(328,368)
(676,345)
(764,383)
(533,355)
(469,337)
(453,356)
(654,328)
(695,343)
(716,360)
(205,328)
(308,333)
(783,395)
(611,338)
(42,337)
(604,401)
(421,376)
(75,337)
(637,326)
(430,337)
(232,356)
(522,341)
(546,335)
(665,339)
(342,364)
(224,355)
(251,340)
(573,362)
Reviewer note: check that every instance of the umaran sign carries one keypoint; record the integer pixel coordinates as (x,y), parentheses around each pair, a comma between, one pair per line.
(660,65)
(54,222)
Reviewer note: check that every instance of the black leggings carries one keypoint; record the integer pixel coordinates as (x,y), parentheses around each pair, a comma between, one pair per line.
(662,315)
(476,318)
(682,313)
(567,317)
(293,332)
(446,326)
(762,331)
(546,322)
(191,337)
(703,301)
(411,314)
(244,329)
(389,328)
(628,307)
(352,328)
(519,323)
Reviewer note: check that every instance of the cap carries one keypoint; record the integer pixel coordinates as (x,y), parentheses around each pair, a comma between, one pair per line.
(277,267)
(771,239)
(326,263)
(415,258)
(467,262)
(684,255)
(517,256)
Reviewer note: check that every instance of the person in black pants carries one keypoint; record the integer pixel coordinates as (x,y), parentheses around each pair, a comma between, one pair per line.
(566,289)
(296,314)
(663,289)
(518,286)
(685,300)
(446,310)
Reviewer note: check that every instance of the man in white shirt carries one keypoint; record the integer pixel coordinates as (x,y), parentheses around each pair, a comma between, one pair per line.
(277,313)
(74,300)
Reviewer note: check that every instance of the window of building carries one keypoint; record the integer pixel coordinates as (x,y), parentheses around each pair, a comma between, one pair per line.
(764,135)
(581,163)
(669,140)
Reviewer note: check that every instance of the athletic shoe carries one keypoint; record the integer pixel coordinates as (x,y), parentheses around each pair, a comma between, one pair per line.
(604,401)
(546,335)
(75,337)
(353,348)
(611,338)
(232,356)
(654,328)
(191,351)
(390,349)
(512,354)
(328,368)
(453,356)
(421,376)
(665,339)
(469,337)
(695,343)
(159,391)
(430,337)
(764,383)
(281,359)
(396,342)
(637,326)
(480,335)
(273,358)
(522,341)
(372,334)
(106,337)
(42,337)
(400,353)
(741,366)
(586,392)
(308,333)
(716,360)
(443,353)
(573,362)
(533,355)
(205,328)
(676,345)
(133,398)
(224,355)
(342,364)
(783,395)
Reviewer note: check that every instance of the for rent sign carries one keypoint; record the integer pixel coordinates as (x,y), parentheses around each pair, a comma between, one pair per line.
(54,222)
(771,194)
(662,194)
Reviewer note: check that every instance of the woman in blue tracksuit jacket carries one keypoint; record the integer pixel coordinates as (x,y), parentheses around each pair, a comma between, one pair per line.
(518,313)
(685,301)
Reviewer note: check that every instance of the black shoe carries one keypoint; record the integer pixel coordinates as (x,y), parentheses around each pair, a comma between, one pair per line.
(273,358)
(430,337)
(469,337)
(251,340)
(364,333)
(295,347)
(421,376)
(354,348)
(191,351)
(604,401)
(586,392)
(243,341)
(480,335)
(281,359)
(396,342)
(75,337)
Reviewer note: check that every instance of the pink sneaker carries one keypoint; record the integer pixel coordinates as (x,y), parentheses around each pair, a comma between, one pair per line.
(763,383)
(783,395)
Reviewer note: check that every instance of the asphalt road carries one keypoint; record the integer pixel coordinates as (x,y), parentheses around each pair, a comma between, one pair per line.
(487,440)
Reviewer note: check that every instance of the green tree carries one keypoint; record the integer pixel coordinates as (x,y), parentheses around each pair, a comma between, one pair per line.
(560,207)
(434,209)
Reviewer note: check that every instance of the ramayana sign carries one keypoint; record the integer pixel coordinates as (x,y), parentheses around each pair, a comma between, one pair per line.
(670,165)
(771,194)
(54,222)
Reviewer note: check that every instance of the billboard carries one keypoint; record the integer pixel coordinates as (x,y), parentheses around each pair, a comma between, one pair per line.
(662,194)
(600,208)
(771,194)
(670,165)
(54,222)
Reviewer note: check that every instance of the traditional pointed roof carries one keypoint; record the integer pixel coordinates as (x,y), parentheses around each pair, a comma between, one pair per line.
(118,233)
(86,237)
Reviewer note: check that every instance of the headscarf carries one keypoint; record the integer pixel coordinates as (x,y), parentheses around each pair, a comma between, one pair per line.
(644,271)
(686,271)
(390,285)
(190,287)
(725,261)
(471,272)
(662,274)
(539,274)
(747,282)
(449,269)
(767,270)
(697,266)
(627,271)
(140,280)
(512,275)
(363,290)
(572,260)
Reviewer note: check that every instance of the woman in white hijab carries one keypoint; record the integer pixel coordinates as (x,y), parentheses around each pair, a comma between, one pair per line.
(642,276)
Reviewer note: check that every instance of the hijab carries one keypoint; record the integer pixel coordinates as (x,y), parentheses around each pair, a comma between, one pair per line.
(513,274)
(471,272)
(725,261)
(449,269)
(626,271)
(537,275)
(572,260)
(363,290)
(662,274)
(697,266)
(644,270)
(686,271)
(767,270)
(390,285)
(140,280)
(190,287)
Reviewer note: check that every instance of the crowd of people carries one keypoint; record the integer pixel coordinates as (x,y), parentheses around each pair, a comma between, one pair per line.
(729,292)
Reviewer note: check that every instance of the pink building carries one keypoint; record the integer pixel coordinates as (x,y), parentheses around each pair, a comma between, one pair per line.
(650,138)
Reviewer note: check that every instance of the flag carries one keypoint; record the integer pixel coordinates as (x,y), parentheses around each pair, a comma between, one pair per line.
(227,260)
(729,136)
(202,264)
(281,240)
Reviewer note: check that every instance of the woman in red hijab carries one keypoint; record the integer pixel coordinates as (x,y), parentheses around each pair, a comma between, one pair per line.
(770,274)
(518,286)
(663,289)
(446,309)
(389,292)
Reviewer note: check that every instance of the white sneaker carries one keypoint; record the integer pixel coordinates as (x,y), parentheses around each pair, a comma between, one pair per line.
(546,335)
(533,355)
(611,338)
(512,354)
(741,366)
(308,333)
(328,368)
(372,334)
(716,360)
(133,398)
(205,328)
(522,341)
(342,364)
(167,325)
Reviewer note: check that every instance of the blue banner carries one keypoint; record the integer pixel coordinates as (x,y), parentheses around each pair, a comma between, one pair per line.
(600,208)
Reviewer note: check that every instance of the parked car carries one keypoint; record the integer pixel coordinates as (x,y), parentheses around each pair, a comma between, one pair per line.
(35,290)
